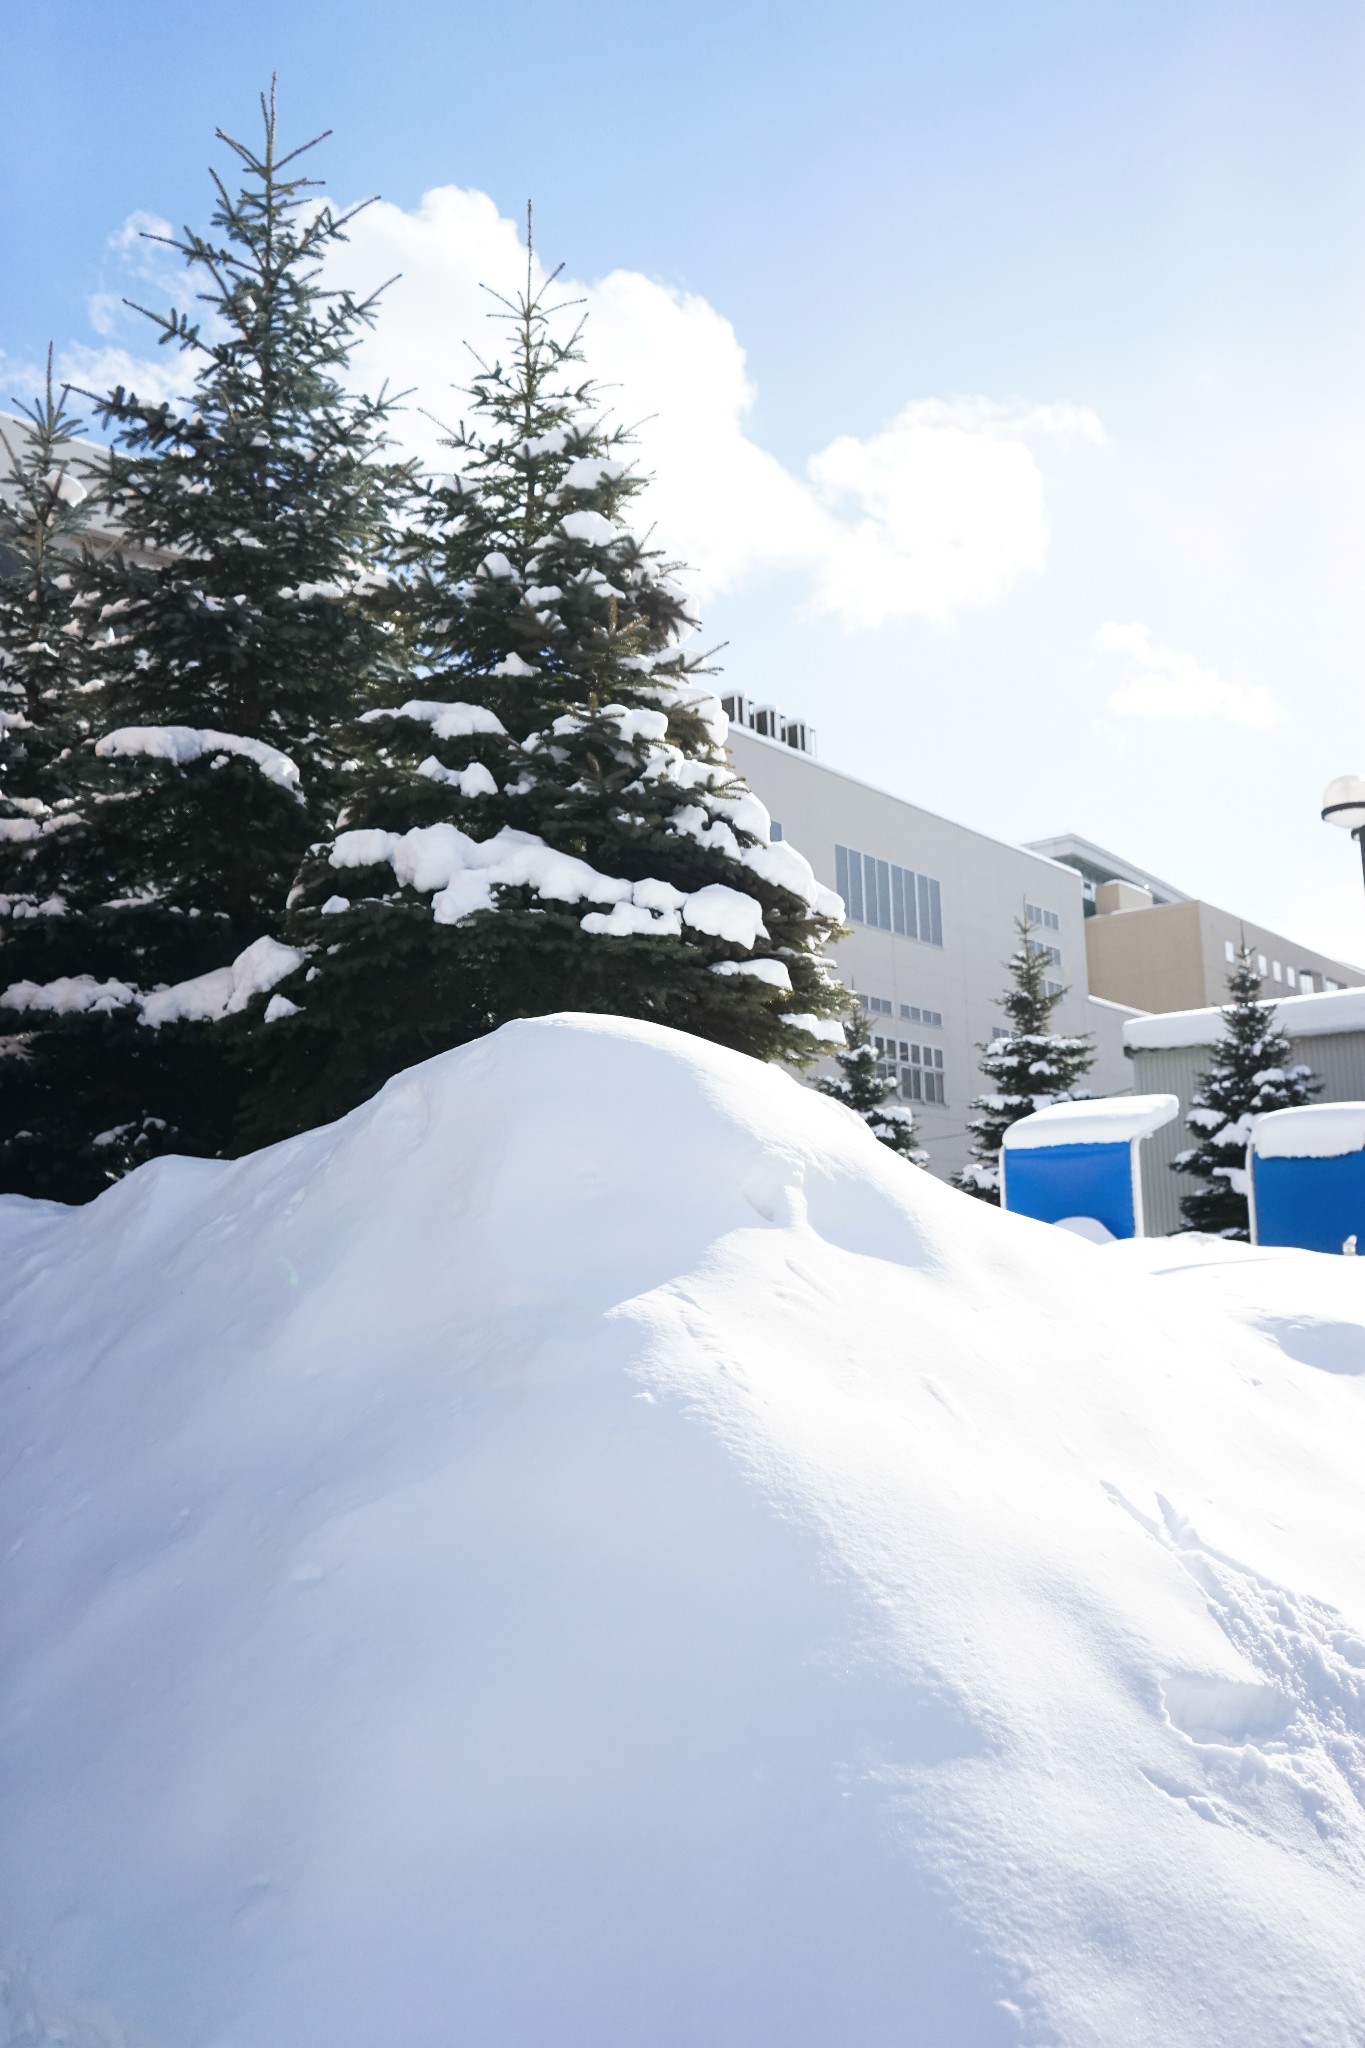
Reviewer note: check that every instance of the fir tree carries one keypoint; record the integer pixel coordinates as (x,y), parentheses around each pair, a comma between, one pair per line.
(550,821)
(1250,1073)
(238,629)
(44,510)
(1030,1065)
(863,1086)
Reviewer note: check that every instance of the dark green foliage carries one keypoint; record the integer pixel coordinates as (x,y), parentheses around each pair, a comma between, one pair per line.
(45,873)
(863,1085)
(1250,1073)
(44,510)
(237,626)
(1030,1065)
(558,749)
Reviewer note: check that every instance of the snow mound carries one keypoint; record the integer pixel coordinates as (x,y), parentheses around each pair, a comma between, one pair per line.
(591,1549)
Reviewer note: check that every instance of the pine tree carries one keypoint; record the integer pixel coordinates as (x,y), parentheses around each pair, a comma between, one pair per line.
(1250,1073)
(240,622)
(1030,1065)
(863,1086)
(550,821)
(44,512)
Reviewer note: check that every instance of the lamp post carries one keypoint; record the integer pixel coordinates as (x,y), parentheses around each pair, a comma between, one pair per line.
(1343,803)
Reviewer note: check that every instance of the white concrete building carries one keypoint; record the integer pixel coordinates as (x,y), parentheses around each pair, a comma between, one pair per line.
(933,907)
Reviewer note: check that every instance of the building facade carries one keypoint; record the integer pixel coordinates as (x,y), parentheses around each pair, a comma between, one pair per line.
(933,909)
(1150,946)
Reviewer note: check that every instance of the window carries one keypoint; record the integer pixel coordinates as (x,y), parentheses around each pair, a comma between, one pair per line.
(1052,954)
(1306,980)
(775,830)
(917,1068)
(1054,988)
(1276,970)
(922,1073)
(1229,952)
(878,893)
(913,1014)
(880,1006)
(1048,919)
(1291,977)
(1329,987)
(1260,965)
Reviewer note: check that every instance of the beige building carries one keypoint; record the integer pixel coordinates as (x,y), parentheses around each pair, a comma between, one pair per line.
(1150,946)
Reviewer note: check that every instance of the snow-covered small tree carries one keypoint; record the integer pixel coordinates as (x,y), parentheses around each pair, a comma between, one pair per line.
(44,510)
(1029,1064)
(236,631)
(1251,1071)
(44,867)
(549,821)
(863,1085)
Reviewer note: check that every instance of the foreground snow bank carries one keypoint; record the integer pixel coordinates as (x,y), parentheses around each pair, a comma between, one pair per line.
(591,1549)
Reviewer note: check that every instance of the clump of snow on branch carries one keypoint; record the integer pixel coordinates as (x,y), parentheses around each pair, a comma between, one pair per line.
(181,744)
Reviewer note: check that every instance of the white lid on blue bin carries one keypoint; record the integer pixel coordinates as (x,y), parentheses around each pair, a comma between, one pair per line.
(1316,1130)
(1109,1120)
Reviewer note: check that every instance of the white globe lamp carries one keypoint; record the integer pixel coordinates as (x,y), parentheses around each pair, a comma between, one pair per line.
(1343,803)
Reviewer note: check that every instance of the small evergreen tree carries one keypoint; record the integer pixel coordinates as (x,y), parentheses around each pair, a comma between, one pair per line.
(1030,1065)
(863,1086)
(1250,1073)
(236,628)
(44,512)
(550,821)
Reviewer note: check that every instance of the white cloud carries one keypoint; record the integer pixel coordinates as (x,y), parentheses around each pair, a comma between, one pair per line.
(153,378)
(941,511)
(1168,684)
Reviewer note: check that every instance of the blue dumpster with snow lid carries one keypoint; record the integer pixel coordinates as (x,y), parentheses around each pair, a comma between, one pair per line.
(1307,1173)
(1076,1163)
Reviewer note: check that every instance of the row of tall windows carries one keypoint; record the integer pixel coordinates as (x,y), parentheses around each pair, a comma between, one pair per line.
(1300,978)
(916,1069)
(1050,921)
(911,1013)
(892,899)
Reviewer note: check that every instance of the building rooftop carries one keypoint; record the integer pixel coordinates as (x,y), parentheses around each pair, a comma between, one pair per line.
(1095,864)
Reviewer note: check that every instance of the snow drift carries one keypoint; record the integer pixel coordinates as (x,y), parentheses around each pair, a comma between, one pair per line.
(591,1549)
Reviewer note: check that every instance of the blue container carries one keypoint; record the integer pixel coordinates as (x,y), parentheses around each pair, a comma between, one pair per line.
(1062,1181)
(1307,1169)
(1077,1162)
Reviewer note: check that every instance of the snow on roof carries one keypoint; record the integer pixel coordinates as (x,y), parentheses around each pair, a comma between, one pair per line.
(591,1547)
(1299,1016)
(1109,1120)
(1317,1130)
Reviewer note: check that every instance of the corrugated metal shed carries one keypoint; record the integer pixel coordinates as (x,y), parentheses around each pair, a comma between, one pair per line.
(1338,1058)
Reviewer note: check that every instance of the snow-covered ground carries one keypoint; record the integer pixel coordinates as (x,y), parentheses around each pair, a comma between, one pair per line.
(594,1550)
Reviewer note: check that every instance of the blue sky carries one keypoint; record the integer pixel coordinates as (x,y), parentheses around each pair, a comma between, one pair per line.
(1008,360)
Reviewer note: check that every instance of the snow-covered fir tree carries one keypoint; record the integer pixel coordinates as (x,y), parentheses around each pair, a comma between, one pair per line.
(1251,1071)
(1029,1065)
(863,1085)
(44,510)
(549,821)
(237,629)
